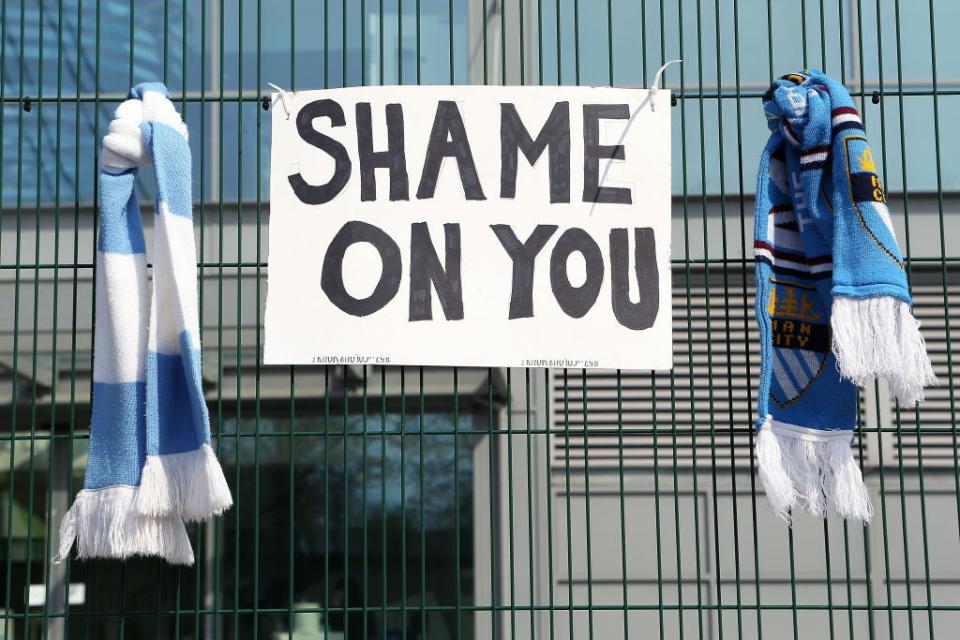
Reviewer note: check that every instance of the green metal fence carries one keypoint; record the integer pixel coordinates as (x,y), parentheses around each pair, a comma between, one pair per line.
(448,503)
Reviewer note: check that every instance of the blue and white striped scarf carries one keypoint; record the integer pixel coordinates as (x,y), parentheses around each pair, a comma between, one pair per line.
(150,465)
(833,301)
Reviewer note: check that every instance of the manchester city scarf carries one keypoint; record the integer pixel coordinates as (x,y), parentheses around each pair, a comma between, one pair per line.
(832,302)
(150,464)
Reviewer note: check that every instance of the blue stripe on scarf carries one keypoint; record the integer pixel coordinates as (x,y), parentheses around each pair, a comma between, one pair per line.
(120,228)
(171,153)
(182,411)
(121,413)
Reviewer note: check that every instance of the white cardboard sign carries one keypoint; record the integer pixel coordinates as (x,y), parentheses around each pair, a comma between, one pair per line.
(469,225)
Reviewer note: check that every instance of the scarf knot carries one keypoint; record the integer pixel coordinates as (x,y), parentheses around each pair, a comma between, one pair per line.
(798,106)
(126,145)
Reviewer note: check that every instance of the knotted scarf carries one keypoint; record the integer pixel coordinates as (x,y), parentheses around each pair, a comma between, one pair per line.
(832,302)
(150,464)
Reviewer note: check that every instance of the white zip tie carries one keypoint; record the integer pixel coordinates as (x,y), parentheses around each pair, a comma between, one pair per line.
(656,83)
(282,95)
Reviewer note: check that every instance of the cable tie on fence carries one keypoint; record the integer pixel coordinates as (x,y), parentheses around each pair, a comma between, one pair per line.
(656,83)
(282,95)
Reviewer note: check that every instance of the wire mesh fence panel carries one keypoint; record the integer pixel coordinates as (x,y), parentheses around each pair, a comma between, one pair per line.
(418,502)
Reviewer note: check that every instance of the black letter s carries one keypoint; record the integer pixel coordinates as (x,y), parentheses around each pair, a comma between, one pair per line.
(323,193)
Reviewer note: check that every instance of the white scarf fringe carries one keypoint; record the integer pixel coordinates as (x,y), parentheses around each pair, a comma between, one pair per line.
(811,469)
(878,336)
(190,484)
(105,525)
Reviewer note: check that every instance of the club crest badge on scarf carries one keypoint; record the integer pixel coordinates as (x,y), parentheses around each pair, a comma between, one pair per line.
(833,302)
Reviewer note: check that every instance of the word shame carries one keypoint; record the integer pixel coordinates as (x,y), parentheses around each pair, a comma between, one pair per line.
(448,138)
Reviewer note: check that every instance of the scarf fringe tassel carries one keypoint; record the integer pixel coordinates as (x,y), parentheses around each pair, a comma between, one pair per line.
(878,336)
(803,469)
(104,524)
(189,485)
